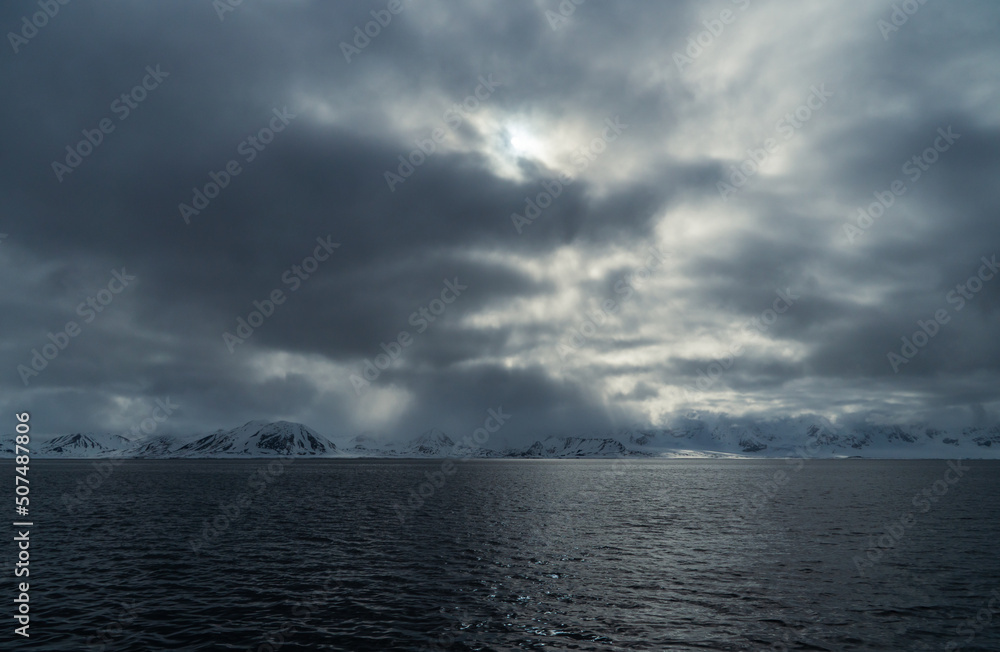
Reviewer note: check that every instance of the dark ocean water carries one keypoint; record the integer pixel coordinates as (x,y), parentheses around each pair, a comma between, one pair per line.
(509,555)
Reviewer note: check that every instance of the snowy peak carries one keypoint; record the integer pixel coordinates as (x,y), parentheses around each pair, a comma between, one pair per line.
(259,438)
(580,447)
(288,438)
(719,435)
(253,439)
(84,445)
(988,437)
(366,445)
(159,446)
(432,442)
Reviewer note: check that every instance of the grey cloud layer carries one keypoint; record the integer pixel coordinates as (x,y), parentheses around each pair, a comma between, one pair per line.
(323,175)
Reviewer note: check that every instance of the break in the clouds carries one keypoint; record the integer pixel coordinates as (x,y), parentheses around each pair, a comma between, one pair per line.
(396,215)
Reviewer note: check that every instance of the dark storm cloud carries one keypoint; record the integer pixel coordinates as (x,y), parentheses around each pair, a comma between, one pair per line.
(218,82)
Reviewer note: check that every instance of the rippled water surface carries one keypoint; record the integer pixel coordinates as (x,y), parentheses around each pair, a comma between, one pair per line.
(511,554)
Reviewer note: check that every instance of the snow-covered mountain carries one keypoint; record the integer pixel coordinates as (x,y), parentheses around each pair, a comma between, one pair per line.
(689,435)
(430,443)
(578,447)
(253,439)
(74,445)
(364,443)
(715,435)
(154,447)
(258,439)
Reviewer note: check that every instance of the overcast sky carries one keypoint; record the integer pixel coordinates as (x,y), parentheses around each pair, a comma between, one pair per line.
(695,166)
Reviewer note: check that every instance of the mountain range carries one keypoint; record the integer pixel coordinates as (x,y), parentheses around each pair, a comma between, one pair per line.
(693,435)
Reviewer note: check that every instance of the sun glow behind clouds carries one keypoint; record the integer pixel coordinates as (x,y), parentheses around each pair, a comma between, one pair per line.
(514,141)
(523,143)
